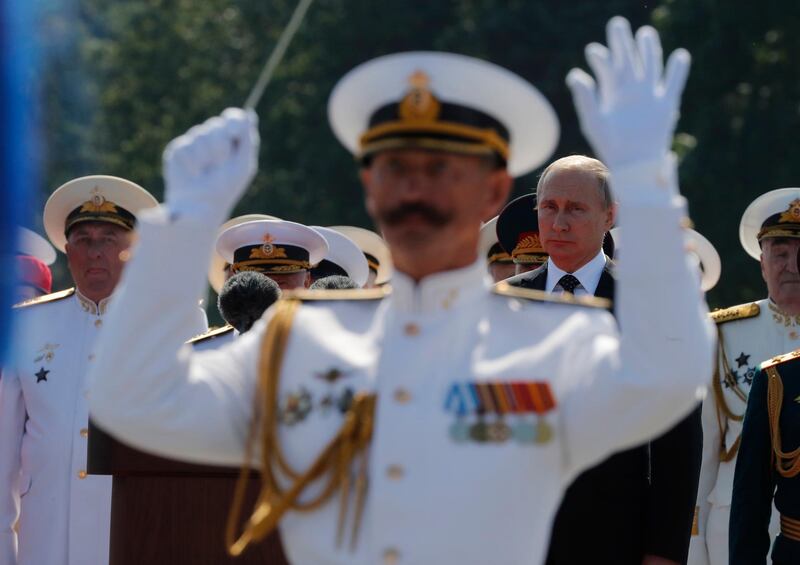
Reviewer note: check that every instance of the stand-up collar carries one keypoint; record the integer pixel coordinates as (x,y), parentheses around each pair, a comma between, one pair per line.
(89,306)
(781,317)
(440,291)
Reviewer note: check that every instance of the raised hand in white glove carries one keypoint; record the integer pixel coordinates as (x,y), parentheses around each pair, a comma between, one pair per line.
(630,113)
(207,169)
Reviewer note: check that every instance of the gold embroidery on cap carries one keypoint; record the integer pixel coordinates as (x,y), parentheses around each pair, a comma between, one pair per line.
(792,213)
(419,104)
(530,242)
(98,203)
(268,251)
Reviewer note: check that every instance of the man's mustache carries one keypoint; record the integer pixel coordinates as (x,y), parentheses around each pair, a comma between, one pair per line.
(428,213)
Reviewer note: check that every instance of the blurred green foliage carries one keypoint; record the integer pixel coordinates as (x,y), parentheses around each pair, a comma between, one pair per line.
(124,77)
(742,110)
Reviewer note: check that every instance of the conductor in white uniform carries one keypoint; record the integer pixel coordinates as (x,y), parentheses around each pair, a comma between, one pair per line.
(439,422)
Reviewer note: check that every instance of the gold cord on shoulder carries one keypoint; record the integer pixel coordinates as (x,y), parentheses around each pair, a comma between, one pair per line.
(724,412)
(787,464)
(335,460)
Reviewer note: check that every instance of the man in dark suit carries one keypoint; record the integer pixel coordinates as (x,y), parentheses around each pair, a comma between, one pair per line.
(636,508)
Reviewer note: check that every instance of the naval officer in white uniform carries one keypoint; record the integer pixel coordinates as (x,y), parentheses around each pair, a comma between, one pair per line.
(44,417)
(374,249)
(283,251)
(343,259)
(488,403)
(749,334)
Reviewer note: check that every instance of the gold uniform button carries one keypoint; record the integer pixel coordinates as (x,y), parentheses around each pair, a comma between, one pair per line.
(98,322)
(84,432)
(411,329)
(81,474)
(394,472)
(391,556)
(402,396)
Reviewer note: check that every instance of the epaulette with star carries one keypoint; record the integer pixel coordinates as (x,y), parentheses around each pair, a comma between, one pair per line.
(306,295)
(740,312)
(778,359)
(60,295)
(505,289)
(211,334)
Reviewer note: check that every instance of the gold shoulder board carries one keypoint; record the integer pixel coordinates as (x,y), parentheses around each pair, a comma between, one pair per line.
(60,295)
(505,289)
(778,359)
(739,312)
(211,334)
(343,294)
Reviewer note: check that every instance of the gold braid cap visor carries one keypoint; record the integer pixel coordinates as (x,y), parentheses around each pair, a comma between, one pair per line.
(780,230)
(411,134)
(276,266)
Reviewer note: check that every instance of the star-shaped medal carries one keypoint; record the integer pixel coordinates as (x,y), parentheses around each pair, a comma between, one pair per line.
(42,375)
(749,375)
(742,360)
(736,377)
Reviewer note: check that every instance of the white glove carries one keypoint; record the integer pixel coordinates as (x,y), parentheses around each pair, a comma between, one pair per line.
(207,169)
(629,115)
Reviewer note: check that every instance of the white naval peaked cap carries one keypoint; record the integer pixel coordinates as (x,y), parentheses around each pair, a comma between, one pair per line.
(345,254)
(710,262)
(100,198)
(773,214)
(487,239)
(216,270)
(469,96)
(271,246)
(374,247)
(31,243)
(706,253)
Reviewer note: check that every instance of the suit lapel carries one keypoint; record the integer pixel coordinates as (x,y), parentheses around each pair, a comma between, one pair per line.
(605,287)
(536,279)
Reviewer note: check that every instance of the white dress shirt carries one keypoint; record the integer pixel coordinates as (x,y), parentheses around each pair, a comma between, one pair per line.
(588,275)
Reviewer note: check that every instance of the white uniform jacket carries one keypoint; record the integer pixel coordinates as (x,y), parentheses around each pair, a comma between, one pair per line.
(214,339)
(63,513)
(749,334)
(44,418)
(435,495)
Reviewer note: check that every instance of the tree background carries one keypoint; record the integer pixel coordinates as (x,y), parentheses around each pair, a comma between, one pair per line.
(122,78)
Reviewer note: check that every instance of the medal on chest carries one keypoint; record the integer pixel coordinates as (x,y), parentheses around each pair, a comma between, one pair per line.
(496,412)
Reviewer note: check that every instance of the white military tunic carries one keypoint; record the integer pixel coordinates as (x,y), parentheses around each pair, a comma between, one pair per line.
(213,339)
(44,418)
(750,334)
(432,498)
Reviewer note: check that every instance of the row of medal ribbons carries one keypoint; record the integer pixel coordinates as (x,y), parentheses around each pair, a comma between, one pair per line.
(500,411)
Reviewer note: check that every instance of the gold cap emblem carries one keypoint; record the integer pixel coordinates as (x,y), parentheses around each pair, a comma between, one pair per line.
(98,203)
(792,213)
(267,248)
(419,103)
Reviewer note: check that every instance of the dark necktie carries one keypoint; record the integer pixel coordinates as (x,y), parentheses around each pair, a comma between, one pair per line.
(569,283)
